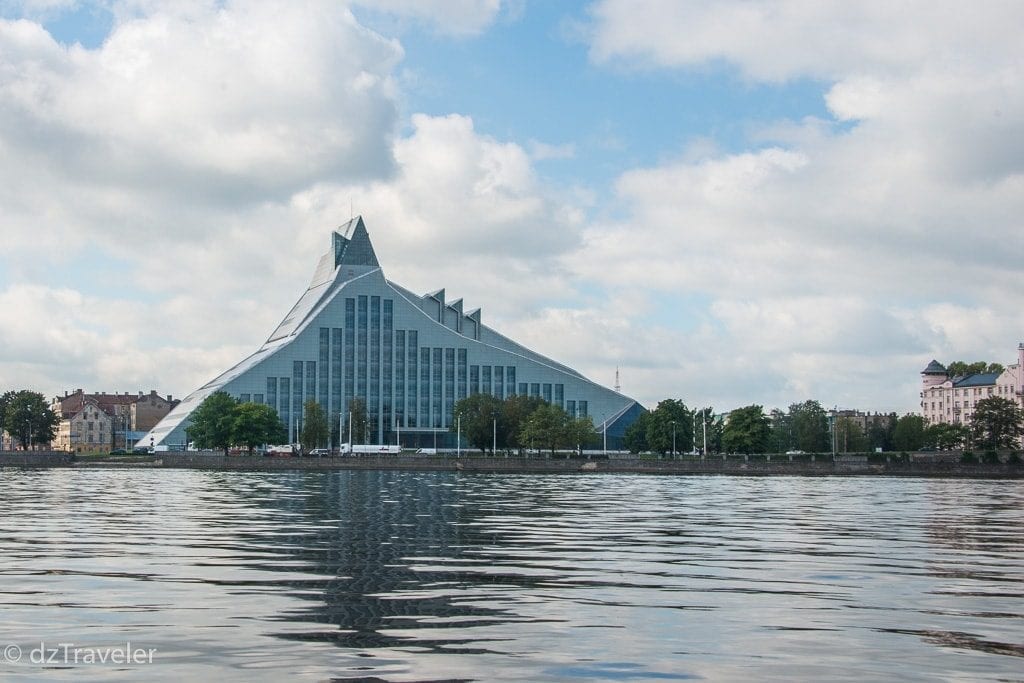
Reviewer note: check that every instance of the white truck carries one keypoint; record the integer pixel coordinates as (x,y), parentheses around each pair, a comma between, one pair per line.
(368,449)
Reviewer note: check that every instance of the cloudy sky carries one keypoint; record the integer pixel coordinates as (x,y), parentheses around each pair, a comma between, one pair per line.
(733,203)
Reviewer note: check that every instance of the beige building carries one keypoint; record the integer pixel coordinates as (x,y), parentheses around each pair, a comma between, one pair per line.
(952,400)
(125,418)
(89,429)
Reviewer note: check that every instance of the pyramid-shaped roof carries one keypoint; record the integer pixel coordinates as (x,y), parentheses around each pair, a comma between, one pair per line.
(352,246)
(934,368)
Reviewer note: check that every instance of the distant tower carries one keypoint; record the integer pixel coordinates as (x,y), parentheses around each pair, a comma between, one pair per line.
(617,386)
(933,375)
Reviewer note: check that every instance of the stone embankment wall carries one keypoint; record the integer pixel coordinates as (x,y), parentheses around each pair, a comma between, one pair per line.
(735,465)
(35,459)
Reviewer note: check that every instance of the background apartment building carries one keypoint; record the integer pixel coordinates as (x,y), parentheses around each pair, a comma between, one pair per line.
(952,400)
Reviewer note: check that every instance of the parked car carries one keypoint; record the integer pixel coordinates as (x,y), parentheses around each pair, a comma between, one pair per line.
(319,452)
(119,451)
(794,453)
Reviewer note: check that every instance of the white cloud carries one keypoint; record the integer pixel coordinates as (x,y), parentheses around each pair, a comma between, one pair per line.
(451,17)
(839,256)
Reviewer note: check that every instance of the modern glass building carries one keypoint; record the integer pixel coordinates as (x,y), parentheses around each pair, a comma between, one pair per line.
(355,334)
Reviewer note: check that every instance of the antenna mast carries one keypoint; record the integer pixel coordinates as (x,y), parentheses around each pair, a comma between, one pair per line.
(617,386)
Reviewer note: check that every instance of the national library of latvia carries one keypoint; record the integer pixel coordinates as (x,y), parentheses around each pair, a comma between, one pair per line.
(409,358)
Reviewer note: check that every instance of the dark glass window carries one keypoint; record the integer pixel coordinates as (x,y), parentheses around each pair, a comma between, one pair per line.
(435,388)
(243,398)
(474,379)
(449,386)
(413,405)
(570,407)
(522,389)
(272,392)
(400,377)
(336,342)
(559,394)
(297,374)
(499,381)
(257,398)
(510,379)
(310,380)
(425,387)
(325,366)
(534,389)
(485,379)
(583,408)
(462,389)
(547,392)
(286,402)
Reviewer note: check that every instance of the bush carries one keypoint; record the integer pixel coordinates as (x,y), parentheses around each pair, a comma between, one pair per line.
(991,458)
(1014,458)
(968,457)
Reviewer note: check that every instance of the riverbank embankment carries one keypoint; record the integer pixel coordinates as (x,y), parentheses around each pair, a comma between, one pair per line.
(822,465)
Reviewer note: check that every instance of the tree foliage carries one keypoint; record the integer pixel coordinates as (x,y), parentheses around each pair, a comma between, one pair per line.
(480,418)
(255,424)
(959,368)
(546,427)
(944,436)
(809,427)
(996,423)
(635,438)
(670,425)
(315,430)
(708,424)
(909,433)
(27,417)
(514,411)
(356,422)
(213,422)
(850,437)
(746,430)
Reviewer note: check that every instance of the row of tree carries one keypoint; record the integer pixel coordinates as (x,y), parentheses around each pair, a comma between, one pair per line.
(519,422)
(996,423)
(27,417)
(672,427)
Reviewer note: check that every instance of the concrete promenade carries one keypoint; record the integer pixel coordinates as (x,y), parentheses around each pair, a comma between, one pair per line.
(821,465)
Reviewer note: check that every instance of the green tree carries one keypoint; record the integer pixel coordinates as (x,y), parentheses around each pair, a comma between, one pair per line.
(708,424)
(959,368)
(356,421)
(579,432)
(881,432)
(671,418)
(254,424)
(28,418)
(635,438)
(850,438)
(514,411)
(810,427)
(213,422)
(781,431)
(909,433)
(546,427)
(946,436)
(747,430)
(477,414)
(996,423)
(315,430)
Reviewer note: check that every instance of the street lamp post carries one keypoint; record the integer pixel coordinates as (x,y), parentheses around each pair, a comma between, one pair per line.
(494,437)
(704,427)
(458,437)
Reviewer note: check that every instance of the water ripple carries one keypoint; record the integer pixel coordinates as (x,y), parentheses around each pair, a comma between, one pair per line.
(443,576)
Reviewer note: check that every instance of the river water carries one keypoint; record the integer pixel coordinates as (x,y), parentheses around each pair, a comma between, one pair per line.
(405,576)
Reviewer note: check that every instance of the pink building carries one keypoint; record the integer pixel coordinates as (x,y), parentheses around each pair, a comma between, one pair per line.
(953,399)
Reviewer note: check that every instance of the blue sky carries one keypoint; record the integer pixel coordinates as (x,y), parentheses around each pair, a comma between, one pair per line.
(732,203)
